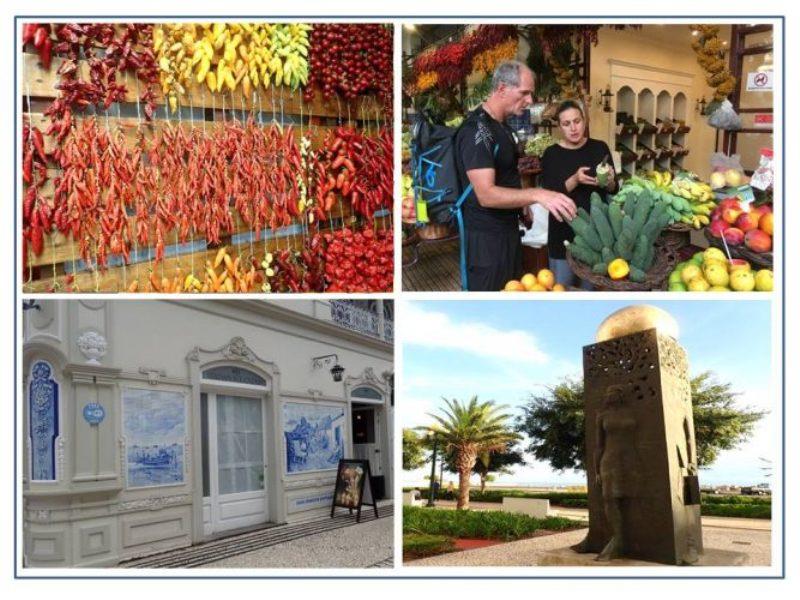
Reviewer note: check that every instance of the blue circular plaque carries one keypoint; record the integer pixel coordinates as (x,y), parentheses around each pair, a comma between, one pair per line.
(93,413)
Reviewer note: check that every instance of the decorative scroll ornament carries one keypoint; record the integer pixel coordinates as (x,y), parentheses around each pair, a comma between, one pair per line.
(93,346)
(238,349)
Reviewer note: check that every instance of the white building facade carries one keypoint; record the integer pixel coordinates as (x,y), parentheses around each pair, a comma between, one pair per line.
(155,424)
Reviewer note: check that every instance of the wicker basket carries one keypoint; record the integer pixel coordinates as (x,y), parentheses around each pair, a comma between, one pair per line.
(654,280)
(758,259)
(676,236)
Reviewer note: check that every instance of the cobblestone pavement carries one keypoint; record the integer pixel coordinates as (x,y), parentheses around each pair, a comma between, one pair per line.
(338,542)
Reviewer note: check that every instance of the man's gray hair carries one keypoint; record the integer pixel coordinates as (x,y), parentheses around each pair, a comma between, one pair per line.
(508,73)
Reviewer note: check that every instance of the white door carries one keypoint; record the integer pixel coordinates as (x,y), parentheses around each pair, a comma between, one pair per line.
(238,469)
(367,437)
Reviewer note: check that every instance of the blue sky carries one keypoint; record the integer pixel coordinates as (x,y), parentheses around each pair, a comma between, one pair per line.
(504,350)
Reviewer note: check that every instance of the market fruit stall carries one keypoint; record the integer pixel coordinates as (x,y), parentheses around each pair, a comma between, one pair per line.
(194,157)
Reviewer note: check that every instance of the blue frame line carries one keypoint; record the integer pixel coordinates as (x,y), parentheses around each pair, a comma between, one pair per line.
(382,19)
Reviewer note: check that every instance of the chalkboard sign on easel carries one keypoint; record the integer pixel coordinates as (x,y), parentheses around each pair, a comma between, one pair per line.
(353,487)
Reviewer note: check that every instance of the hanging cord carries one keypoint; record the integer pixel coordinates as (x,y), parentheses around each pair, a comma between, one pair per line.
(138,133)
(339,200)
(261,127)
(33,182)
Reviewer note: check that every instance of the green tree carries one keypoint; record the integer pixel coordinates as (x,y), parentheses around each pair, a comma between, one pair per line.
(468,429)
(490,463)
(413,450)
(554,422)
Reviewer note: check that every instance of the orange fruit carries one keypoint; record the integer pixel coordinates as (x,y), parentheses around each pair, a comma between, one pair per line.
(528,281)
(538,288)
(765,223)
(514,286)
(559,288)
(546,278)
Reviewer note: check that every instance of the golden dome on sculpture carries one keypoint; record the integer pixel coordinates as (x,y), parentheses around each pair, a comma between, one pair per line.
(633,319)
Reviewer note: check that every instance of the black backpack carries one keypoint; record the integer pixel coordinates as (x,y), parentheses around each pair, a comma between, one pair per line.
(437,188)
(433,170)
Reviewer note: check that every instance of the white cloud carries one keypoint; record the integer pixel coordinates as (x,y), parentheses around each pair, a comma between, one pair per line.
(438,330)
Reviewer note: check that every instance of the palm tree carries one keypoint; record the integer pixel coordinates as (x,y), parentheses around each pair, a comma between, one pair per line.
(468,430)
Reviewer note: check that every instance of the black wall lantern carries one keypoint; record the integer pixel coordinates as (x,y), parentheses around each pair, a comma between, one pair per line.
(700,106)
(337,370)
(605,99)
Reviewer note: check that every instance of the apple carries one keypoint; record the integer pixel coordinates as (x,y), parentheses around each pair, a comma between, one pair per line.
(764,281)
(747,221)
(743,281)
(758,241)
(717,228)
(690,272)
(729,215)
(761,210)
(738,264)
(734,236)
(716,214)
(730,202)
(734,177)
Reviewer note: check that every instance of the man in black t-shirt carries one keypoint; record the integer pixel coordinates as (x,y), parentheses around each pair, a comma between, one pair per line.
(486,157)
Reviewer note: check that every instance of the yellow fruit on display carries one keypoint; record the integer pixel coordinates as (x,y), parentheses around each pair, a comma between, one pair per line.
(718,288)
(690,272)
(618,269)
(716,274)
(743,281)
(715,254)
(559,288)
(714,261)
(546,278)
(763,280)
(736,264)
(698,284)
(528,281)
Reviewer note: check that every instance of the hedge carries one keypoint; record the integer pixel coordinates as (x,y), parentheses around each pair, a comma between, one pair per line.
(492,524)
(419,545)
(754,507)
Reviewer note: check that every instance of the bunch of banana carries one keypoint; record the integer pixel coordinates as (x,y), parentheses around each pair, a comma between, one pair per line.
(229,55)
(686,185)
(685,199)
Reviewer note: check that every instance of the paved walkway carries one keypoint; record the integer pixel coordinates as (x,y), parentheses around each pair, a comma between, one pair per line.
(527,553)
(339,542)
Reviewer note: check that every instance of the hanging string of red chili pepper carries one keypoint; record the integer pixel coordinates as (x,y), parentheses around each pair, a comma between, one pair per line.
(179,184)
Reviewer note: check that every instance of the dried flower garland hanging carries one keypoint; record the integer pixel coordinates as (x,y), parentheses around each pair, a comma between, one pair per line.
(710,53)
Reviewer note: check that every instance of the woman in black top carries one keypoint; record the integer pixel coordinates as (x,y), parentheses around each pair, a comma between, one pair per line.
(569,167)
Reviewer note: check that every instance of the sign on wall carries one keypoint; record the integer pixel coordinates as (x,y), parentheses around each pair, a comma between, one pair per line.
(759,81)
(154,425)
(317,500)
(313,436)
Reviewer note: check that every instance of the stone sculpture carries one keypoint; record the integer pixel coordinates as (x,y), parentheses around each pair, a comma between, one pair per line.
(644,498)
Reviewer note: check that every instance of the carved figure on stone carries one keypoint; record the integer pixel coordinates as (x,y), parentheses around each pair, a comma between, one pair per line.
(616,466)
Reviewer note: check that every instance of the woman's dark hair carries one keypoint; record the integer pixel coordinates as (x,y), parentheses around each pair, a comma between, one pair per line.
(566,105)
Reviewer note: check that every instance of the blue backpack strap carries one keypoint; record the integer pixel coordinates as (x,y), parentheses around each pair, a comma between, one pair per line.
(461,231)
